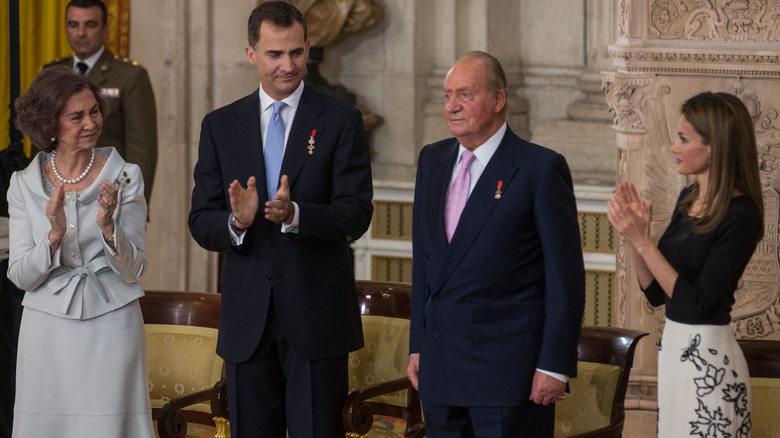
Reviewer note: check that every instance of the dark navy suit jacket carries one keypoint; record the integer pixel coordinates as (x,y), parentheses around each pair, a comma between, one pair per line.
(506,295)
(310,272)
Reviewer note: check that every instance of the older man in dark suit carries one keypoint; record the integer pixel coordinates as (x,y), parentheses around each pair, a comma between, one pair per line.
(290,315)
(498,282)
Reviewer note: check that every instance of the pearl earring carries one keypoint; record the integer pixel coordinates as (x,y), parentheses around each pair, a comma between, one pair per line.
(53,139)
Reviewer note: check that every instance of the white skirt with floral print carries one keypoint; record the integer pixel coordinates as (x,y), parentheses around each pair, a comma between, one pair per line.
(703,383)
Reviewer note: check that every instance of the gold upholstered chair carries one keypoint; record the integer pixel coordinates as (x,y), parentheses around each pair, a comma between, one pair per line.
(183,367)
(382,402)
(594,406)
(763,359)
(381,398)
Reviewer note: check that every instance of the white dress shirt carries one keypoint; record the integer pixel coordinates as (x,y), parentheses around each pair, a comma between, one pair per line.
(91,61)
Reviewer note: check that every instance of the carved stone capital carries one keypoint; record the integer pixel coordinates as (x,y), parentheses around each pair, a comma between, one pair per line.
(625,95)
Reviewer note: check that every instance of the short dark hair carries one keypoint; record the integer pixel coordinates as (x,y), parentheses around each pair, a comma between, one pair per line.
(278,13)
(85,4)
(38,110)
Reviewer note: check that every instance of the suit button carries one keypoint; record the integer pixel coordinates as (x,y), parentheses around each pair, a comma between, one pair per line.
(469,338)
(268,278)
(272,244)
(483,262)
(436,298)
(436,334)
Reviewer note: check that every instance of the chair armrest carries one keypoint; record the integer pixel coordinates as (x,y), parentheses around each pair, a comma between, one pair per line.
(219,400)
(219,408)
(171,423)
(416,431)
(357,414)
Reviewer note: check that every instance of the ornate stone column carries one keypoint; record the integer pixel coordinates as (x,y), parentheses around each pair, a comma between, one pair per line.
(667,51)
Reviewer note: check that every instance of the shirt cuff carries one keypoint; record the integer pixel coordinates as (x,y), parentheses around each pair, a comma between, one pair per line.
(292,227)
(235,239)
(562,377)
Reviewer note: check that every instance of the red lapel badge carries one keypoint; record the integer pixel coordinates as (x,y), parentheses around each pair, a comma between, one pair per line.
(311,141)
(498,189)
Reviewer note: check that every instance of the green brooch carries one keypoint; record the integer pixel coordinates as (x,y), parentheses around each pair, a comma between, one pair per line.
(122,180)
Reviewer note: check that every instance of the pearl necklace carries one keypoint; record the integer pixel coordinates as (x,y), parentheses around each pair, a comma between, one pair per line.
(76,180)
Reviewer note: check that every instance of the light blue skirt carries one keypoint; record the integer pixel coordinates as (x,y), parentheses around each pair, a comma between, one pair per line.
(82,378)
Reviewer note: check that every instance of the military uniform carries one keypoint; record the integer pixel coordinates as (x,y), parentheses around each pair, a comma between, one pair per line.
(131,127)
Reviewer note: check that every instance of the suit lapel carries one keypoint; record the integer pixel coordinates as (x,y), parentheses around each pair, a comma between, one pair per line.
(441,173)
(248,141)
(479,206)
(306,120)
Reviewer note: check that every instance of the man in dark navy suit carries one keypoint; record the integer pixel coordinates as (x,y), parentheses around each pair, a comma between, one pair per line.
(282,185)
(498,281)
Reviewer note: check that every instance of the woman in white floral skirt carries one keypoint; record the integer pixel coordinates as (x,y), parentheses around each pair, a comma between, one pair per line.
(703,382)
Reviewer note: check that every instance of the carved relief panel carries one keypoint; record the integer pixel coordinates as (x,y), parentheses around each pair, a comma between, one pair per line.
(646,114)
(719,20)
(756,313)
(645,111)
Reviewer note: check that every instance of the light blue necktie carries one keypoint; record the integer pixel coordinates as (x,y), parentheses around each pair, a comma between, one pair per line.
(274,150)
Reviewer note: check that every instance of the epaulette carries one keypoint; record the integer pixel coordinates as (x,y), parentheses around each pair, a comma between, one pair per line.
(126,60)
(57,61)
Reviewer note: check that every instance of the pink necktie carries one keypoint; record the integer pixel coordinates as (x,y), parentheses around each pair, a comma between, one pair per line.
(458,195)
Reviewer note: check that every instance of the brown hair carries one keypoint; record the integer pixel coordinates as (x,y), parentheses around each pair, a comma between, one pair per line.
(496,80)
(724,124)
(38,110)
(277,13)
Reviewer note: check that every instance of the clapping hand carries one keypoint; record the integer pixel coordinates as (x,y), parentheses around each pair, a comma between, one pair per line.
(107,200)
(629,215)
(280,210)
(55,212)
(244,202)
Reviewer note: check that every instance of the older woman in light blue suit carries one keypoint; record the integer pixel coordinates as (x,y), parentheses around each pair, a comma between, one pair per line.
(77,248)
